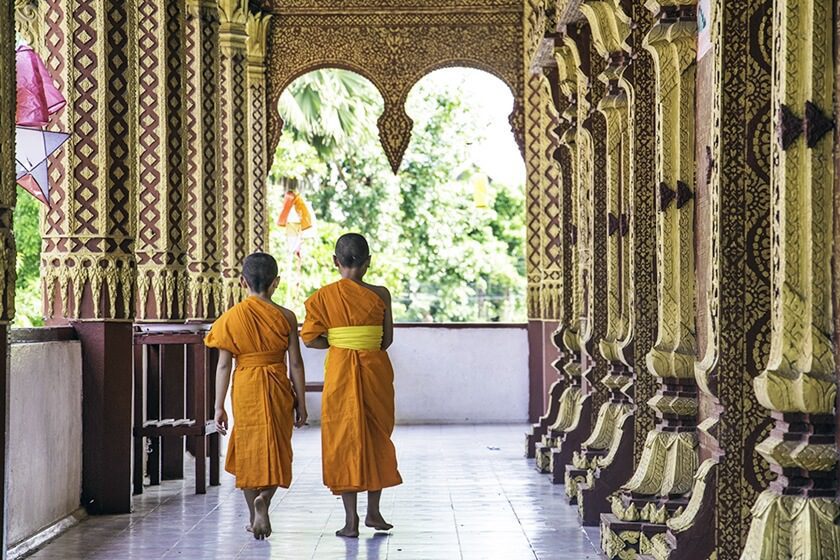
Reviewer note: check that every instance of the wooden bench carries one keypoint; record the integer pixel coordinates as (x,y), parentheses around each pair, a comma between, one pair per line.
(175,373)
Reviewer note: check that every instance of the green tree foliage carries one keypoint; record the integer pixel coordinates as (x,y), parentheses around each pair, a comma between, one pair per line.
(443,258)
(28,240)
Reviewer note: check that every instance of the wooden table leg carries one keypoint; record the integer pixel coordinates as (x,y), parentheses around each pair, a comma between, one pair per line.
(172,406)
(153,410)
(139,418)
(199,371)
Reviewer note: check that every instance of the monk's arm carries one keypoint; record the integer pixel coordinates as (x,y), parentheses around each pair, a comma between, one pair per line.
(388,323)
(296,369)
(318,343)
(223,369)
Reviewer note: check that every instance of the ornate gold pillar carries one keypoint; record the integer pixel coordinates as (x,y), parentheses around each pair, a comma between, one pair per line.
(260,158)
(233,82)
(552,286)
(573,424)
(159,246)
(796,517)
(7,239)
(204,296)
(87,258)
(663,479)
(605,459)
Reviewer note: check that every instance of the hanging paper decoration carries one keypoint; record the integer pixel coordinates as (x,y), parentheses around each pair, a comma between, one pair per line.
(33,147)
(37,100)
(480,185)
(37,96)
(295,210)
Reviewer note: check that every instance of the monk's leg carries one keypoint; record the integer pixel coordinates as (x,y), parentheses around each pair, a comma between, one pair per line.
(250,495)
(351,518)
(262,523)
(374,516)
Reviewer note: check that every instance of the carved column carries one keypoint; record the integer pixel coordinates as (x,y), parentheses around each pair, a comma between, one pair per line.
(233,84)
(660,486)
(159,247)
(204,296)
(7,240)
(733,281)
(552,279)
(796,517)
(574,419)
(605,461)
(87,258)
(260,158)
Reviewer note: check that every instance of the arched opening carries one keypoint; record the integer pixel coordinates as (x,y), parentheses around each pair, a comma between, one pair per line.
(447,232)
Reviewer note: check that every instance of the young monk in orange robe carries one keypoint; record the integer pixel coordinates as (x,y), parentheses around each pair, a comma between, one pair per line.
(353,320)
(259,334)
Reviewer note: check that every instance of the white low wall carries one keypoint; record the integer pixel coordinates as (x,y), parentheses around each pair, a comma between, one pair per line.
(450,374)
(45,445)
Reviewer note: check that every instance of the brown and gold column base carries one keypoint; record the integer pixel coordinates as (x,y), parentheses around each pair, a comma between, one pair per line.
(605,476)
(569,442)
(540,428)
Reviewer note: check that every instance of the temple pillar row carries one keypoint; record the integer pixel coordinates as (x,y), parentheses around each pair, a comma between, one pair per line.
(149,201)
(695,138)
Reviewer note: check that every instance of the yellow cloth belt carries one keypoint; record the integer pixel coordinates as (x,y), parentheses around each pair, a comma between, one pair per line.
(356,338)
(261,359)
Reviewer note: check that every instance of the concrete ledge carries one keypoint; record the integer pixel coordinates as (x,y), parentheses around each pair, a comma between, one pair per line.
(39,539)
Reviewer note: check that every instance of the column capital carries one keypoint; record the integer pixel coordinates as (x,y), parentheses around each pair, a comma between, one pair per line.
(233,16)
(257,29)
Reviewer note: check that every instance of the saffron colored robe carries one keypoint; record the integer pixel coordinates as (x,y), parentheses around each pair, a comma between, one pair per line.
(357,411)
(260,448)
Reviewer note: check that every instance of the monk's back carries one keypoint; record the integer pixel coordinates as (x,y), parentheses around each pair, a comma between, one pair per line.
(254,326)
(349,304)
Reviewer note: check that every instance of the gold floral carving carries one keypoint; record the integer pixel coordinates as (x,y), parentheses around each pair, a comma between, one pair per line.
(394,49)
(29,23)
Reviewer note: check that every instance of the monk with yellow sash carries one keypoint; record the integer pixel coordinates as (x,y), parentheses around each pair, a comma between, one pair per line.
(259,334)
(353,320)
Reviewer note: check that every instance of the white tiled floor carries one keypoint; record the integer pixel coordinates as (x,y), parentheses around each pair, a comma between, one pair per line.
(468,494)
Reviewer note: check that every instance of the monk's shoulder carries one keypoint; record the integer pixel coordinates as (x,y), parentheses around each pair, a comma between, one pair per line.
(288,314)
(381,291)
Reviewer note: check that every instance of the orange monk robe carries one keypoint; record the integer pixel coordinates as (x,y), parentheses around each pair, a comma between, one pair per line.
(357,411)
(260,449)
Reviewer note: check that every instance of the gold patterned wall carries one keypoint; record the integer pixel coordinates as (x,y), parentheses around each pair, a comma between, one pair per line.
(393,44)
(203,227)
(161,160)
(88,266)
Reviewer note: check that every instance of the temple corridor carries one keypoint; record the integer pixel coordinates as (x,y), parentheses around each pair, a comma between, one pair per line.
(467,495)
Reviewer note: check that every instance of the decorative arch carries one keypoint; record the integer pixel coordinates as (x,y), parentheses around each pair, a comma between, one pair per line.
(394,44)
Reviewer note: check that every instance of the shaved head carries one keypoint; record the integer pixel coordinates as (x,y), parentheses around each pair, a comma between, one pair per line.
(352,250)
(259,271)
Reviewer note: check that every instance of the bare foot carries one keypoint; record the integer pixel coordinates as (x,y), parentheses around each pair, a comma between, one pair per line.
(376,521)
(350,530)
(262,524)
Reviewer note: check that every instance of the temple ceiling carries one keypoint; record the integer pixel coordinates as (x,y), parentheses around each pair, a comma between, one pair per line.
(394,44)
